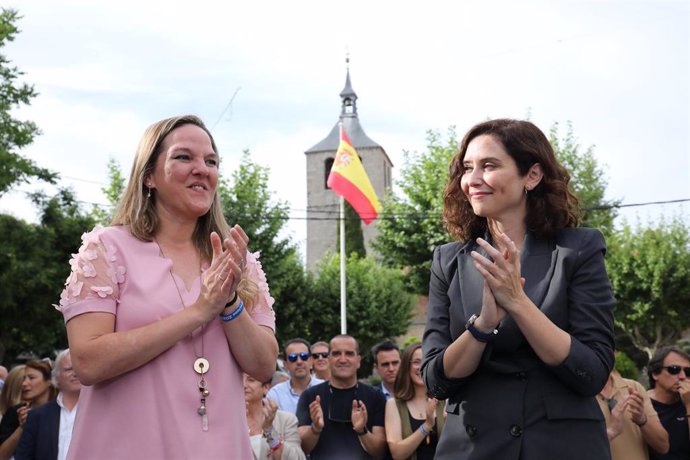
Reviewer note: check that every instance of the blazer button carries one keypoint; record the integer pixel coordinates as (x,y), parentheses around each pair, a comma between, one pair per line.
(515,431)
(471,430)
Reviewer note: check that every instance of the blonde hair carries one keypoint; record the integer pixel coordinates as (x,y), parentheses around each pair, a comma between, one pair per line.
(11,394)
(137,210)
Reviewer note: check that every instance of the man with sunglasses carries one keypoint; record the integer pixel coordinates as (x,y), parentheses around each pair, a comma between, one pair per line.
(342,419)
(669,381)
(319,352)
(298,362)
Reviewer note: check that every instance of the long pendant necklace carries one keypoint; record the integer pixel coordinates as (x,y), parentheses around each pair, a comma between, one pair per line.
(201,364)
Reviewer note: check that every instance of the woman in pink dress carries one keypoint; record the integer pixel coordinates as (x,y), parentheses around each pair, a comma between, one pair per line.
(165,310)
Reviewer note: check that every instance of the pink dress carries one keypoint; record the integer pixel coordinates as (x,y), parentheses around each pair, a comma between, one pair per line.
(151,412)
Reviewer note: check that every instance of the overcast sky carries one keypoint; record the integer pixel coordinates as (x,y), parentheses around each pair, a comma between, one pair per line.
(266,76)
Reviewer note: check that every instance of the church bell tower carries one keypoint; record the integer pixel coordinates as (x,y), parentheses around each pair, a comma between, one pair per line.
(322,202)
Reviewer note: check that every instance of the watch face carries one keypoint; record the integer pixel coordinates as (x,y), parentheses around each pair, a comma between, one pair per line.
(471,321)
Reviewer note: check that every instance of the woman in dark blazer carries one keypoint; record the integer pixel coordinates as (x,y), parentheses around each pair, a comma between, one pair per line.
(519,332)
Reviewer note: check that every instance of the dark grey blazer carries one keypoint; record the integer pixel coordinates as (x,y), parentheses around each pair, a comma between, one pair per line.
(514,406)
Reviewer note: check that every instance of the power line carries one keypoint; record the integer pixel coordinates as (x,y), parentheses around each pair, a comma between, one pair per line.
(334,215)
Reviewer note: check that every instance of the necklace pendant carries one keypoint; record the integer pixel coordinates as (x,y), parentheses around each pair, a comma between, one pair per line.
(201,366)
(204,422)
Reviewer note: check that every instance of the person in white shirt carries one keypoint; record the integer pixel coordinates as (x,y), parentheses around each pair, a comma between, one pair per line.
(48,429)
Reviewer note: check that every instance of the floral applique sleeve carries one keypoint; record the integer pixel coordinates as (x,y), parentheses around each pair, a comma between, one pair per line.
(93,284)
(262,313)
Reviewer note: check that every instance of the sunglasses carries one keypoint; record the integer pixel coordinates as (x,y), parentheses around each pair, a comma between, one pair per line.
(323,355)
(675,369)
(611,403)
(292,357)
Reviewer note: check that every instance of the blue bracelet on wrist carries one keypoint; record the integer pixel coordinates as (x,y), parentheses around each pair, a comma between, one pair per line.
(423,431)
(234,314)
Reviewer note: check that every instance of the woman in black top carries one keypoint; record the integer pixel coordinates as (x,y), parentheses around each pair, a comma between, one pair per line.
(411,417)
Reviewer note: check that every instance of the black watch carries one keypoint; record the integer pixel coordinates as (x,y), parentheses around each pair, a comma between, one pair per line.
(477,334)
(363,432)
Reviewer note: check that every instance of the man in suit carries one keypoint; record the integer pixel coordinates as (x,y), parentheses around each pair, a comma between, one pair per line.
(48,429)
(386,363)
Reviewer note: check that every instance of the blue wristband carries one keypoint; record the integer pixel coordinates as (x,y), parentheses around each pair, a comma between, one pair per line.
(232,315)
(423,431)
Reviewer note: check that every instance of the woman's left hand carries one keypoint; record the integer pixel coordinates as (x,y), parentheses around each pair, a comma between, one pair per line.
(225,272)
(270,408)
(431,404)
(236,252)
(503,274)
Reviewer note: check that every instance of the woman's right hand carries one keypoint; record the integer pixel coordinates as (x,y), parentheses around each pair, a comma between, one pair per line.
(23,414)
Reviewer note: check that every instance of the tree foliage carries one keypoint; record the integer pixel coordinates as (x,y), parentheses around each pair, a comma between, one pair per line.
(377,304)
(247,201)
(410,225)
(649,267)
(15,134)
(34,260)
(113,191)
(588,180)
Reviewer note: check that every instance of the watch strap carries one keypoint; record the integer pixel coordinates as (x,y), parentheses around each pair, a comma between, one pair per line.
(477,334)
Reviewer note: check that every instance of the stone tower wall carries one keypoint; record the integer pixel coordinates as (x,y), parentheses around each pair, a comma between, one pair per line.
(322,202)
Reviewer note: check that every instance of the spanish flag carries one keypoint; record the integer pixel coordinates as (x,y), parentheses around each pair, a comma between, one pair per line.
(349,180)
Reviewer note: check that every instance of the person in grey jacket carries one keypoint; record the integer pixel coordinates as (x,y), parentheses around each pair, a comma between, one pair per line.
(519,331)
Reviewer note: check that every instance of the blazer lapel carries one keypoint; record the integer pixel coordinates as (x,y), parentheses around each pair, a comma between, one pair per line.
(537,262)
(471,281)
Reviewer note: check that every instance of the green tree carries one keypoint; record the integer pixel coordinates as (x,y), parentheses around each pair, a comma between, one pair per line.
(113,191)
(649,267)
(34,260)
(377,304)
(247,201)
(15,134)
(588,180)
(410,225)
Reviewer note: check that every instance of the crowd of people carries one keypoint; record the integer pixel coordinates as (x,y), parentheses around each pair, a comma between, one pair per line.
(171,327)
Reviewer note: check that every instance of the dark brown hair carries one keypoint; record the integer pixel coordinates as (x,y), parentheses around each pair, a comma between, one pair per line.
(46,370)
(551,205)
(403,388)
(656,364)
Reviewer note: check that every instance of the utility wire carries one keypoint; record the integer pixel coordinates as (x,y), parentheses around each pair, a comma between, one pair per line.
(318,215)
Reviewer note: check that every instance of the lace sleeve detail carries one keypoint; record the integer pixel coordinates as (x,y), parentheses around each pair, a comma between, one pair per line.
(262,312)
(96,274)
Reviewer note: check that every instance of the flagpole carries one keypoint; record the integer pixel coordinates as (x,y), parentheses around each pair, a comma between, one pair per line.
(343,280)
